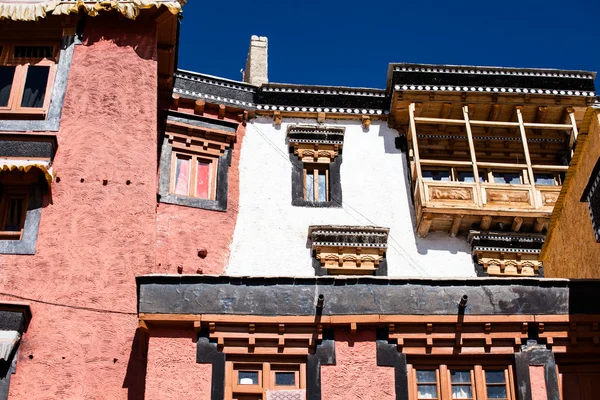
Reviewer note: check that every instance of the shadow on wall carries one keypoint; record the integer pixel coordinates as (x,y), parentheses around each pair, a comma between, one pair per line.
(135,377)
(441,241)
(137,34)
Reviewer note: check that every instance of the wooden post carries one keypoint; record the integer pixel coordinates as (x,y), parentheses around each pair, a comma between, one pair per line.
(479,195)
(527,157)
(412,136)
(175,101)
(221,111)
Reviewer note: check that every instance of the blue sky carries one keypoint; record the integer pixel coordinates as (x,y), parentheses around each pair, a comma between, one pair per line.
(351,43)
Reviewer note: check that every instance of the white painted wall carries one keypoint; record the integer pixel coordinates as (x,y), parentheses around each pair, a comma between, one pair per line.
(271,236)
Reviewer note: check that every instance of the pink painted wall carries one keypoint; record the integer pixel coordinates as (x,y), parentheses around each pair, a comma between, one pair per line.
(356,374)
(93,239)
(537,377)
(173,372)
(181,231)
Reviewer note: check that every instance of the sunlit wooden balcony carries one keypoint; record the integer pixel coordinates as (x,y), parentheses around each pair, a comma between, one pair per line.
(512,192)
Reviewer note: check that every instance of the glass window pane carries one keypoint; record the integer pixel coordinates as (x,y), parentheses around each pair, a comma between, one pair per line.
(322,186)
(427,392)
(467,176)
(7,74)
(507,177)
(494,376)
(285,378)
(462,392)
(544,179)
(441,175)
(35,87)
(33,51)
(202,179)
(14,215)
(310,186)
(182,176)
(460,376)
(496,392)
(248,377)
(425,376)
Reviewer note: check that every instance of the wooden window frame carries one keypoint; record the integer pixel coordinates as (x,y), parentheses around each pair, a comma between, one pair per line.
(266,368)
(444,380)
(22,65)
(194,158)
(8,193)
(314,168)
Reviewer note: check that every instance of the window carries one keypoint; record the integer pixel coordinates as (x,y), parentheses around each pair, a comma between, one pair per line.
(442,175)
(250,380)
(591,195)
(13,208)
(193,175)
(26,77)
(474,382)
(316,183)
(547,179)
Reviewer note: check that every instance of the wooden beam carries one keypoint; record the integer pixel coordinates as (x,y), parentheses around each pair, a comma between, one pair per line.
(448,163)
(527,156)
(221,111)
(175,101)
(574,132)
(199,107)
(493,116)
(445,112)
(516,225)
(486,222)
(478,196)
(456,225)
(540,117)
(277,118)
(424,225)
(539,224)
(412,138)
(321,117)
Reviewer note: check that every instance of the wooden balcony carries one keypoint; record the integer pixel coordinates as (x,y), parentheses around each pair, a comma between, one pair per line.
(507,196)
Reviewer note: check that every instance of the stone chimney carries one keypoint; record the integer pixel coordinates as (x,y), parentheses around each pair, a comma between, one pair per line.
(256,63)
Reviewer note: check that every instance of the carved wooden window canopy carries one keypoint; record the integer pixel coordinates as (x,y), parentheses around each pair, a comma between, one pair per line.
(504,254)
(316,144)
(351,250)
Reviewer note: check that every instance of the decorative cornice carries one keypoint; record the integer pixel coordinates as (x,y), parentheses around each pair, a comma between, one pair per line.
(213,97)
(215,81)
(496,71)
(326,90)
(333,110)
(487,89)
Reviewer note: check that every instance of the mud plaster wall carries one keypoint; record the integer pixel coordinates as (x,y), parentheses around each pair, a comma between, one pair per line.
(93,239)
(564,259)
(181,231)
(356,359)
(171,361)
(271,235)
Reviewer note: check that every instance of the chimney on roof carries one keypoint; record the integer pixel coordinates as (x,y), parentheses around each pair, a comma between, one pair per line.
(256,63)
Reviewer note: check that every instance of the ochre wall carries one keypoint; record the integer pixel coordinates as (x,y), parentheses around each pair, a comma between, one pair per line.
(172,369)
(356,374)
(181,231)
(571,250)
(93,239)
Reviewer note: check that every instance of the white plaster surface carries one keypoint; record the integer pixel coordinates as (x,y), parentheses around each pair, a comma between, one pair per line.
(271,235)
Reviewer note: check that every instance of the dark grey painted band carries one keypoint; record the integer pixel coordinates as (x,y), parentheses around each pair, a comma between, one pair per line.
(389,356)
(28,241)
(536,355)
(335,184)
(21,147)
(324,355)
(220,204)
(207,353)
(203,294)
(52,121)
(12,321)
